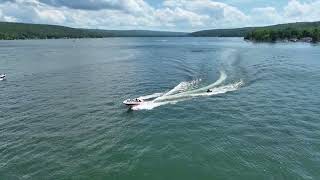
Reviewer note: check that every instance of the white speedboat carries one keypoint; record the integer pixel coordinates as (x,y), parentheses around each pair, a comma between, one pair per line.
(133,102)
(2,77)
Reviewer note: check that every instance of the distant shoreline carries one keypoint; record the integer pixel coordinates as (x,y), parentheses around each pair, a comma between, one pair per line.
(284,41)
(291,32)
(284,36)
(243,38)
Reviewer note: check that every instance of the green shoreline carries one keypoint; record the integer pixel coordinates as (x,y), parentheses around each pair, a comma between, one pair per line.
(285,35)
(294,32)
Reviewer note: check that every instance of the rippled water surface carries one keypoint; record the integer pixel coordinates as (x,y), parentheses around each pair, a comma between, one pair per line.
(62,117)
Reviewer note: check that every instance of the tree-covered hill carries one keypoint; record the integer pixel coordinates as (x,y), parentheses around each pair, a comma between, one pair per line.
(237,32)
(38,31)
(242,32)
(9,31)
(304,31)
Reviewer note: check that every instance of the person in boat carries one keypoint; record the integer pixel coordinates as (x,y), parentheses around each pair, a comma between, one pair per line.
(209,90)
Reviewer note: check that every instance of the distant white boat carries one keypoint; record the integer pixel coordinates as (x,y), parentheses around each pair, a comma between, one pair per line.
(2,77)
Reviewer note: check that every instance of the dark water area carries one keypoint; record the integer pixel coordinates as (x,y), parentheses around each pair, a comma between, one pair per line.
(62,117)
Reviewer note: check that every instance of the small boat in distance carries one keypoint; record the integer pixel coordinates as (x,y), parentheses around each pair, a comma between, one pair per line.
(2,77)
(133,102)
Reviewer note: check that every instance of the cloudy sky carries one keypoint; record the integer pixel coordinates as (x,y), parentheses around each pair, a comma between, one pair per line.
(177,15)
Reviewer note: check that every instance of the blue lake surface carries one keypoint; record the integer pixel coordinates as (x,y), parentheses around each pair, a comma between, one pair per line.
(62,117)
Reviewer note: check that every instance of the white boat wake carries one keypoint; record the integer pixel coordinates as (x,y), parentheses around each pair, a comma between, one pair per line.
(187,90)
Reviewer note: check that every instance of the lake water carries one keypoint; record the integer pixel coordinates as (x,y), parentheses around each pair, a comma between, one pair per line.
(62,117)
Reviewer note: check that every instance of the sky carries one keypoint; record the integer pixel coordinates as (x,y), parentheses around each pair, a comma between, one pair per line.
(170,15)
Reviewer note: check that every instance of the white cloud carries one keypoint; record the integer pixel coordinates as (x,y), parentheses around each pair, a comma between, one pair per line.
(266,15)
(294,11)
(54,16)
(85,4)
(298,11)
(180,17)
(216,13)
(183,15)
(6,18)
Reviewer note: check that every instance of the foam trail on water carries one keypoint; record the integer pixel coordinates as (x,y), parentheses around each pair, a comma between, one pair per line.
(183,86)
(150,105)
(221,90)
(222,78)
(187,90)
(155,95)
(217,90)
(182,97)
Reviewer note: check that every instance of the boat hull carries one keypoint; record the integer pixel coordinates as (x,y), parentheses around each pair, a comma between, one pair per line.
(131,103)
